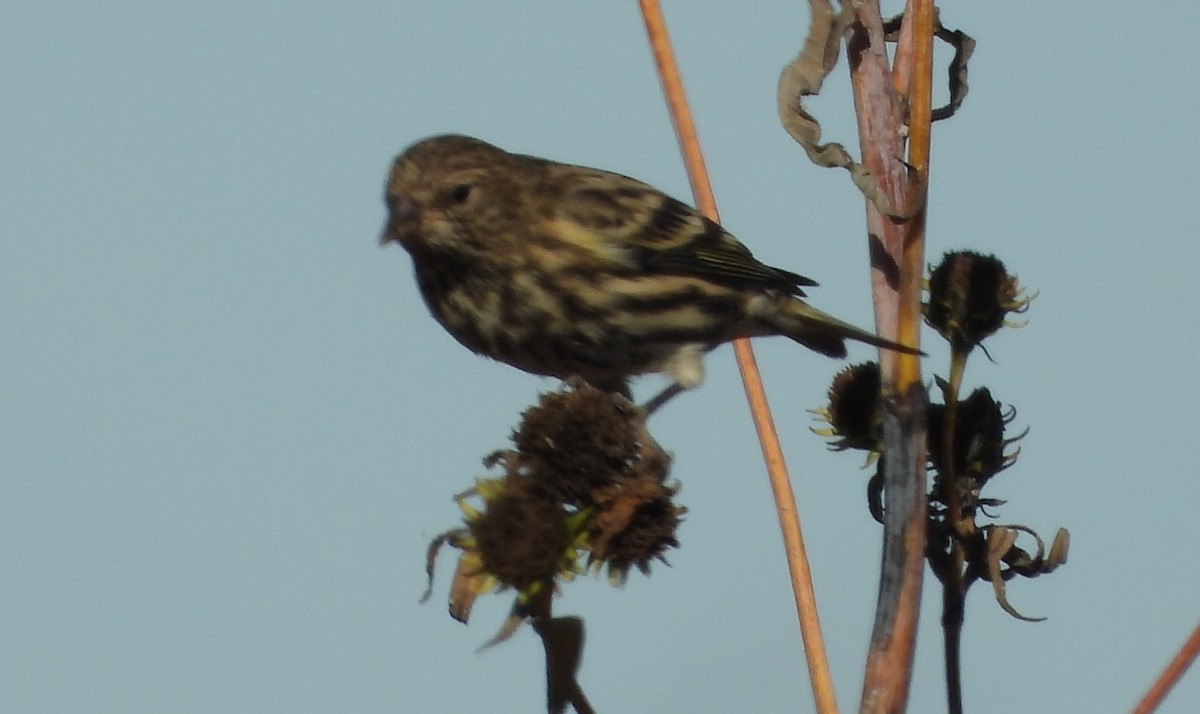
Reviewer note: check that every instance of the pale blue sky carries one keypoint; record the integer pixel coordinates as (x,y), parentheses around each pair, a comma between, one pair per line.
(228,427)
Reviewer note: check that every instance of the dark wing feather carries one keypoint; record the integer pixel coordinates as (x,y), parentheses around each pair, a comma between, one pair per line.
(663,235)
(712,252)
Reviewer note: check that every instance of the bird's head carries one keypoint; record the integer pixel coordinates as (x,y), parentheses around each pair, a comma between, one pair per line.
(441,189)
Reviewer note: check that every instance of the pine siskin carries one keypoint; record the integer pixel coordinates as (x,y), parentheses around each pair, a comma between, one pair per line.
(565,271)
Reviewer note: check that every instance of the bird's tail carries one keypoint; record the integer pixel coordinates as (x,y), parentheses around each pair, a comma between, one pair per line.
(825,333)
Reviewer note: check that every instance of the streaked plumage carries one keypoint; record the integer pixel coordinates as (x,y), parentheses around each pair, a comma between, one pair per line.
(564,271)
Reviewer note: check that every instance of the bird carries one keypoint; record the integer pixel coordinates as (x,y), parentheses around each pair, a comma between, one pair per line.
(574,272)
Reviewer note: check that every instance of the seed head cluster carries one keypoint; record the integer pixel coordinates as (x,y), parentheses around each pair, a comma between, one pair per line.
(584,477)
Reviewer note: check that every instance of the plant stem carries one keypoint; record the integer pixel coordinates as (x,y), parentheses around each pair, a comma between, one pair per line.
(781,487)
(954,597)
(897,244)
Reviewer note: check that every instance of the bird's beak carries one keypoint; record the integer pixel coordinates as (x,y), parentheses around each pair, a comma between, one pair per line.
(401,211)
(388,235)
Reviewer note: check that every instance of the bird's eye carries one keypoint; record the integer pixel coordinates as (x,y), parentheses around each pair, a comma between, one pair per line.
(459,193)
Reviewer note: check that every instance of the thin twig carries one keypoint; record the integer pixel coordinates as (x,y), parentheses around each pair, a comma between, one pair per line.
(952,577)
(562,638)
(948,473)
(789,523)
(1174,671)
(922,15)
(954,596)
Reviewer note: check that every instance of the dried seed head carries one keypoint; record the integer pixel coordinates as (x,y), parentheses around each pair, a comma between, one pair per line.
(634,523)
(853,411)
(979,443)
(970,295)
(522,536)
(579,440)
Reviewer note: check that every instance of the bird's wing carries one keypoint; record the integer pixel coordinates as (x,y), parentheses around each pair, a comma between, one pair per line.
(660,234)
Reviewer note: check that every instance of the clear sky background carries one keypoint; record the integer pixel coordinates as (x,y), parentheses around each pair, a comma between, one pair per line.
(229,428)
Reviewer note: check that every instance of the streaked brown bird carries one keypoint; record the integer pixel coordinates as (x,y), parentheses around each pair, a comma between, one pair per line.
(564,270)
